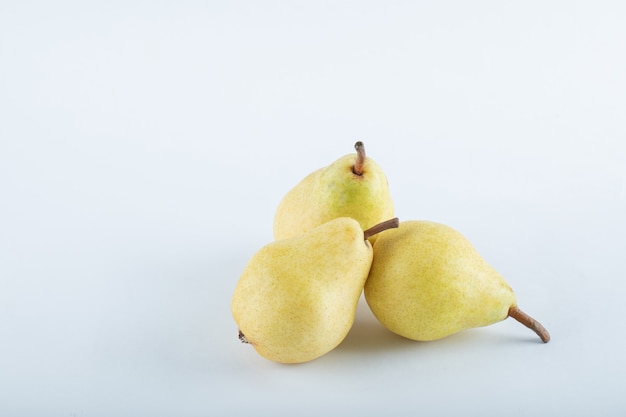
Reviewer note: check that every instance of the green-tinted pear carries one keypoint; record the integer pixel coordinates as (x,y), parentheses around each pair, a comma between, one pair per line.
(427,281)
(296,298)
(353,186)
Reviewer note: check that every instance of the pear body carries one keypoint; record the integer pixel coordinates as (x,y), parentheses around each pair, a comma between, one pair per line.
(427,281)
(335,191)
(296,298)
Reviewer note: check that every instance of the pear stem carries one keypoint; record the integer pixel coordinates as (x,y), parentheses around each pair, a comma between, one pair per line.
(387,224)
(530,322)
(357,168)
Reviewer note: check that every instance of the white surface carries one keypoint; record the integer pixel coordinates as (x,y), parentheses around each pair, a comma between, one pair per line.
(144,148)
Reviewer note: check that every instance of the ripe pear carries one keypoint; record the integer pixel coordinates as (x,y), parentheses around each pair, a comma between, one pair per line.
(296,298)
(353,186)
(427,281)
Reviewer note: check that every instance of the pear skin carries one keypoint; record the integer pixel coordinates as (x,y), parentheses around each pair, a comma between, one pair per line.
(353,186)
(427,282)
(296,298)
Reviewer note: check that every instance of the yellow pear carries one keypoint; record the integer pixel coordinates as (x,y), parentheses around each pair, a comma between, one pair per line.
(353,186)
(427,281)
(296,298)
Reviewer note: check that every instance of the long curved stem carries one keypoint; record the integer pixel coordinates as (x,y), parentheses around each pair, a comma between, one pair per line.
(357,169)
(387,224)
(530,322)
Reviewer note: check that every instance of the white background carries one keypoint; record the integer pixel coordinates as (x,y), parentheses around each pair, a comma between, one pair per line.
(145,145)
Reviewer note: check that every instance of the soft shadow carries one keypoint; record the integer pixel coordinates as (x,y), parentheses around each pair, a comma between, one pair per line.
(509,332)
(368,335)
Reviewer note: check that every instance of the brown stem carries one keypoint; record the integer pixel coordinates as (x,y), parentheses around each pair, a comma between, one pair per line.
(530,322)
(387,224)
(357,168)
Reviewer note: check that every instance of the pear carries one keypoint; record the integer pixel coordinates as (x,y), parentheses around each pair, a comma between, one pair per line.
(296,298)
(353,186)
(427,281)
